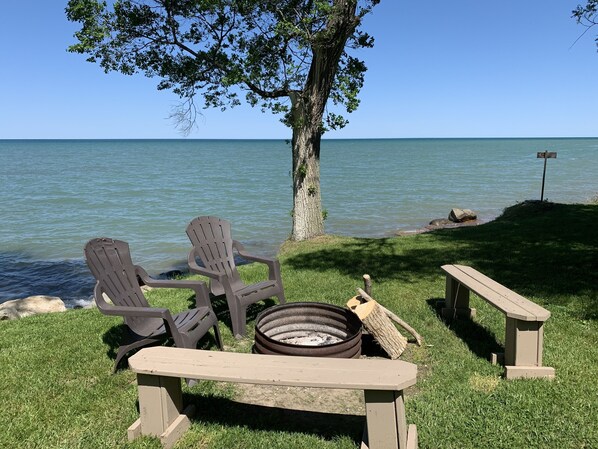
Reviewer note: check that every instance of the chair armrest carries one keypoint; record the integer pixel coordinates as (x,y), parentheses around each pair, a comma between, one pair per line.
(273,264)
(165,283)
(203,270)
(202,294)
(245,255)
(111,309)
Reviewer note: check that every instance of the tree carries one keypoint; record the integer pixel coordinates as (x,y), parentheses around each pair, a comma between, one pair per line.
(587,15)
(288,56)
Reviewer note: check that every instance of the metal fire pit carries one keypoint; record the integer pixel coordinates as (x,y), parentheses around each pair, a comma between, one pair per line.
(308,329)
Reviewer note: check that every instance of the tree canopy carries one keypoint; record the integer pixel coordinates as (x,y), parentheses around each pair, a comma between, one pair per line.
(292,57)
(227,49)
(587,14)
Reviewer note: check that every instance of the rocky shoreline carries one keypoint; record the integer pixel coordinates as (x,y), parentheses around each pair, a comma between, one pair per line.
(457,218)
(38,304)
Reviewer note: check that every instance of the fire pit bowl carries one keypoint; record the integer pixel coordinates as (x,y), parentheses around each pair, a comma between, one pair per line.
(308,329)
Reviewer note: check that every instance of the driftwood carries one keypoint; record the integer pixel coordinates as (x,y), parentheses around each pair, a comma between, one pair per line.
(365,295)
(379,326)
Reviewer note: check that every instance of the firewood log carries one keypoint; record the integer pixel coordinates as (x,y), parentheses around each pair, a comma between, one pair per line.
(367,287)
(392,316)
(379,326)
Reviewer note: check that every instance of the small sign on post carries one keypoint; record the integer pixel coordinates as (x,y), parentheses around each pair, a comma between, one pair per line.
(545,155)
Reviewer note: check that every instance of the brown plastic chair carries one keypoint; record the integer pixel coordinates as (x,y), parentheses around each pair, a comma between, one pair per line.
(110,263)
(213,244)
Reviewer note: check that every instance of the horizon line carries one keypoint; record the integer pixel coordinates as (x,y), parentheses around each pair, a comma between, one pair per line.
(288,139)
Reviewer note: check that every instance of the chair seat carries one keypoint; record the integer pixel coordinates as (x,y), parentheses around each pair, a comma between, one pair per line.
(261,288)
(184,321)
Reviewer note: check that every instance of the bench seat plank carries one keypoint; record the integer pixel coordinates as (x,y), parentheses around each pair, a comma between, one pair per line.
(509,302)
(360,374)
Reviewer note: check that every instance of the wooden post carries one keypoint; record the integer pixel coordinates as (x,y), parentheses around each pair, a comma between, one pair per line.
(367,284)
(545,155)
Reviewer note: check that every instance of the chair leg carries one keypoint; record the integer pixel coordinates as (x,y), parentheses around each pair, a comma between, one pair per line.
(239,321)
(281,298)
(218,337)
(125,349)
(122,351)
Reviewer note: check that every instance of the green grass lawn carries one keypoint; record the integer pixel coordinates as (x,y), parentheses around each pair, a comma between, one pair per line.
(57,390)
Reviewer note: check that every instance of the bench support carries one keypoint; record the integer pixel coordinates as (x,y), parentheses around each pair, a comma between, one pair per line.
(456,300)
(524,338)
(161,414)
(386,423)
(523,349)
(161,411)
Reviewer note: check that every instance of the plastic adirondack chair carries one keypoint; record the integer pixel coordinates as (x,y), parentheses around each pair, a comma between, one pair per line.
(213,244)
(117,278)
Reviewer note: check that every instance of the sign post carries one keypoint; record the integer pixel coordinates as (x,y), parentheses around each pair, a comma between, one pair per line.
(545,155)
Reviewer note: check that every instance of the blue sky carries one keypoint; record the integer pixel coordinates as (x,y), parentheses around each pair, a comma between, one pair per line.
(438,69)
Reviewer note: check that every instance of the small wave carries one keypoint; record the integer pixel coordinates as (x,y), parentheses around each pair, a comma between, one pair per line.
(68,279)
(24,276)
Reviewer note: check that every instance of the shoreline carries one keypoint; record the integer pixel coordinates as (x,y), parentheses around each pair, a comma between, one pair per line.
(75,283)
(432,228)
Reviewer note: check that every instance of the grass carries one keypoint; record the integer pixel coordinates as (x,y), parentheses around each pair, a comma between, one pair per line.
(57,390)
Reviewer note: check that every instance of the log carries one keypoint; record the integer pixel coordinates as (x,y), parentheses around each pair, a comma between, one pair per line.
(392,316)
(379,326)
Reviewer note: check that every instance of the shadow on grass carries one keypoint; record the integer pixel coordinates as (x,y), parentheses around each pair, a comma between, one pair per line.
(223,313)
(478,339)
(538,249)
(229,413)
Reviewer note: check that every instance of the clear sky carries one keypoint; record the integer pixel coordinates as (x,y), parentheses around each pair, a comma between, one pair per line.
(461,68)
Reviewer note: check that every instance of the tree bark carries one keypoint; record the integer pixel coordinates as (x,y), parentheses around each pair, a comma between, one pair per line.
(307,113)
(307,201)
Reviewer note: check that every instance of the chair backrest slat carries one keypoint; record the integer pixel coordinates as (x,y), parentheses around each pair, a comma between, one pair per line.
(212,239)
(110,262)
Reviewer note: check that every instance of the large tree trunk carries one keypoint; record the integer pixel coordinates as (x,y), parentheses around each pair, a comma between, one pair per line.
(306,116)
(307,203)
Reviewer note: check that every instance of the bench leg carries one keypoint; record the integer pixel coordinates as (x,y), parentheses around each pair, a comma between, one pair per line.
(456,303)
(160,409)
(386,425)
(523,350)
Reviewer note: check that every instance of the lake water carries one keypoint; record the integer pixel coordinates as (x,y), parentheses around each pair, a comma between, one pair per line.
(55,195)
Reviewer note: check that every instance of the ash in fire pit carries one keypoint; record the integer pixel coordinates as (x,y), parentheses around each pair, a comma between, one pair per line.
(312,339)
(308,329)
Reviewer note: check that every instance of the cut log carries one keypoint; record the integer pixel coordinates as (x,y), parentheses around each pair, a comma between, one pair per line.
(354,302)
(366,297)
(379,326)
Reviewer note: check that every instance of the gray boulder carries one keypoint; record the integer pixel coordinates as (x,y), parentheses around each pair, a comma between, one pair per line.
(462,215)
(440,222)
(33,305)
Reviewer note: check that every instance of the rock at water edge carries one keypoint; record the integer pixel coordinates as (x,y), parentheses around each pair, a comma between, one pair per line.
(33,305)
(461,215)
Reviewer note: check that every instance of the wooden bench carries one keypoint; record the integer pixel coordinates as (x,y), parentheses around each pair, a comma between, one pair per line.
(524,335)
(160,369)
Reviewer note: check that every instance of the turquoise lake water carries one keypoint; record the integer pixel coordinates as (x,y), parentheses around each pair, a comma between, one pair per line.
(56,195)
